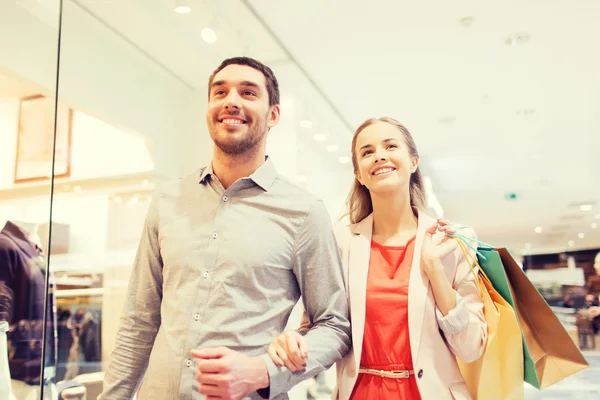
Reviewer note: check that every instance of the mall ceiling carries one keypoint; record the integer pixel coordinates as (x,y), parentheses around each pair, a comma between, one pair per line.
(502,98)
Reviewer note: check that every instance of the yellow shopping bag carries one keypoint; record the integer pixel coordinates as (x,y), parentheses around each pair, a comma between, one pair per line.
(498,374)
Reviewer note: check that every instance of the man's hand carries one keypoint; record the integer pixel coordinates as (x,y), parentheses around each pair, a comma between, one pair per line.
(227,374)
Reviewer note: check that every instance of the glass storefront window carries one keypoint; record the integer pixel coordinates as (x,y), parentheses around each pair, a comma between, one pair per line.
(29,42)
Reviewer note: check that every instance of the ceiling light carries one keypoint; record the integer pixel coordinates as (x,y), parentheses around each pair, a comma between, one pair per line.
(319,137)
(305,123)
(117,199)
(527,246)
(594,225)
(301,178)
(332,148)
(344,159)
(538,229)
(585,207)
(466,22)
(517,38)
(208,35)
(571,243)
(183,10)
(581,235)
(133,201)
(182,7)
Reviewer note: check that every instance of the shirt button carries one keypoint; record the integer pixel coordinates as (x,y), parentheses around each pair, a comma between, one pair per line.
(215,235)
(225,198)
(420,374)
(188,363)
(196,317)
(205,275)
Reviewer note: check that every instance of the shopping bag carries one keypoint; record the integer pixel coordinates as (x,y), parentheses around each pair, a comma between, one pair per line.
(550,347)
(498,373)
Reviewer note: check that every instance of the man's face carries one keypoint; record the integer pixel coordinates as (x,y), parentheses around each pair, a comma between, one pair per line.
(239,115)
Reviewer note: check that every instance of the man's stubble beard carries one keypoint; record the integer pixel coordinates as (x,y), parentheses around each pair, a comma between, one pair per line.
(247,144)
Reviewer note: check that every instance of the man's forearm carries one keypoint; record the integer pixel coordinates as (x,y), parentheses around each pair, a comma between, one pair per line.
(128,361)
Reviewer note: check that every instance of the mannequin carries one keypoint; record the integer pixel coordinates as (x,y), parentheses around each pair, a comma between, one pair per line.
(23,272)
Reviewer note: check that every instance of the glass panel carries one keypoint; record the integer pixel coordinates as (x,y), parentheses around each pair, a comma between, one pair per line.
(29,39)
(135,75)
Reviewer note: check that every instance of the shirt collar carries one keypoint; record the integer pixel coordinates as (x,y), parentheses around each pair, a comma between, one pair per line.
(264,176)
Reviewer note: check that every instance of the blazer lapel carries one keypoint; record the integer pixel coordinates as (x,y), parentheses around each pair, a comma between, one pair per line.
(358,269)
(418,288)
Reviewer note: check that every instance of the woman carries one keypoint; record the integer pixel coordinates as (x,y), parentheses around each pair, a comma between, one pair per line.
(414,302)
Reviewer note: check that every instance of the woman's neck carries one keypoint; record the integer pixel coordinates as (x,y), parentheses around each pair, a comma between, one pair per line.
(394,221)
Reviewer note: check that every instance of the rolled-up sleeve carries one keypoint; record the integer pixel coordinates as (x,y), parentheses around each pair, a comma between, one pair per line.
(318,269)
(465,327)
(456,320)
(141,316)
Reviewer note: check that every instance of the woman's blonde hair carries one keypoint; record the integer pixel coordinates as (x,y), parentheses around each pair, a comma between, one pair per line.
(359,203)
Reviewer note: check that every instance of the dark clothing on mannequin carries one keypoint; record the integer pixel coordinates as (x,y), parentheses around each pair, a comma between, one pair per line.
(23,270)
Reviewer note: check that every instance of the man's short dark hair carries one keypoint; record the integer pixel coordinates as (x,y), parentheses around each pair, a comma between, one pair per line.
(272,84)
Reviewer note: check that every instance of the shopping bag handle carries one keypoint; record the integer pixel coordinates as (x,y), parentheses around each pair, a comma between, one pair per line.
(470,259)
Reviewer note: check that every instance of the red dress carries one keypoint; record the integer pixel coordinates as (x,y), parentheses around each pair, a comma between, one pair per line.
(386,343)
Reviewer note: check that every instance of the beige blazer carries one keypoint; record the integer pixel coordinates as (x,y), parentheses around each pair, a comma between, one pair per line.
(433,352)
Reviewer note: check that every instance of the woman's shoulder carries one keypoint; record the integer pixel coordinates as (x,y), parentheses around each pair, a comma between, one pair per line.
(342,230)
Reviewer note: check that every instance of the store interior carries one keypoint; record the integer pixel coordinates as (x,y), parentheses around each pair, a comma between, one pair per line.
(108,97)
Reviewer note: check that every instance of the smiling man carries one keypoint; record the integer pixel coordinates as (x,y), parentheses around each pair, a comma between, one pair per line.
(225,254)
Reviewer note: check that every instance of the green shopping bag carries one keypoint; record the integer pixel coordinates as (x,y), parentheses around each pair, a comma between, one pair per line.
(494,269)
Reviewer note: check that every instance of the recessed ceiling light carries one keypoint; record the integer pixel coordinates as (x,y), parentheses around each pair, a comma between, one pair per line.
(538,229)
(305,123)
(517,38)
(581,235)
(466,22)
(594,225)
(182,7)
(183,10)
(208,35)
(344,159)
(585,207)
(332,148)
(571,243)
(319,137)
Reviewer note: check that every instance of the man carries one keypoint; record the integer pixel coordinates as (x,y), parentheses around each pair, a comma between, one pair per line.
(225,255)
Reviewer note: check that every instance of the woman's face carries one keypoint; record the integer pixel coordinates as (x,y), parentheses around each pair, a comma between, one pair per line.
(383,159)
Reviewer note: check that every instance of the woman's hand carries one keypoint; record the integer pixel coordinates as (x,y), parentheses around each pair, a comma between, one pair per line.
(433,251)
(289,349)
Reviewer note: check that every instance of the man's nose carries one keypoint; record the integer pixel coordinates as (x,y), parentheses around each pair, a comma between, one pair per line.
(233,101)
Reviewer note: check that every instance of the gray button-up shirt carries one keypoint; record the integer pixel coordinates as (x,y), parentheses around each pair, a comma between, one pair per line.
(220,267)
